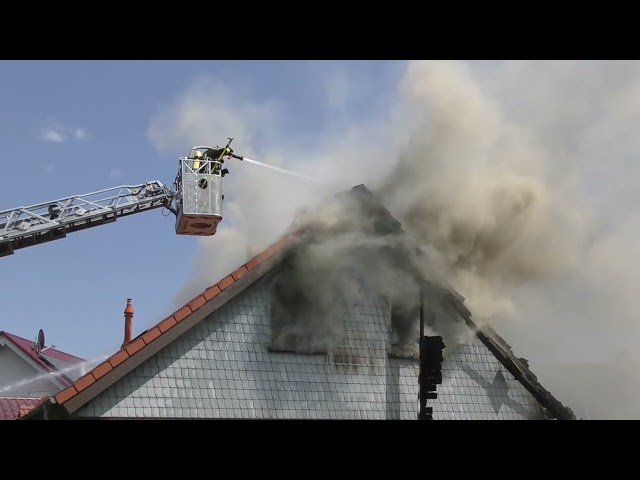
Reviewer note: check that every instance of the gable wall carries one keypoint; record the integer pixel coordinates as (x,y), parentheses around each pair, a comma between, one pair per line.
(223,368)
(20,379)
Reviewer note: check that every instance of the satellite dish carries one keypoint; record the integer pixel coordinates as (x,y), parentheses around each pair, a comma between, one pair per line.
(40,339)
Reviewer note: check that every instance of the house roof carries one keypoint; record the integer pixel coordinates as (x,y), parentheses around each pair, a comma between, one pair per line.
(199,308)
(29,347)
(42,357)
(13,407)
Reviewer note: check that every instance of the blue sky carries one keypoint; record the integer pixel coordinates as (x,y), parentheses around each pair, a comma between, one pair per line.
(73,127)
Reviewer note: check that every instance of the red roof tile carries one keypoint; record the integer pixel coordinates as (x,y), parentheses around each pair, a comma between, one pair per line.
(150,335)
(147,337)
(13,407)
(211,292)
(29,347)
(101,370)
(135,346)
(66,394)
(197,302)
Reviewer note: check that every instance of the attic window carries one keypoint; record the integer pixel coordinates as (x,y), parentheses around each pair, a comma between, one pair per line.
(404,307)
(293,324)
(305,313)
(405,323)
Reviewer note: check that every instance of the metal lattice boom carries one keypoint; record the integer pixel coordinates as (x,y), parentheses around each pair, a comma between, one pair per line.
(26,226)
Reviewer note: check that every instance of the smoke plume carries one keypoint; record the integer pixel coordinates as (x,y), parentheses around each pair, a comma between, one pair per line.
(483,192)
(518,180)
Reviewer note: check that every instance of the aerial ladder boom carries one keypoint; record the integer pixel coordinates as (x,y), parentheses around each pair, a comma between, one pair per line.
(195,199)
(27,226)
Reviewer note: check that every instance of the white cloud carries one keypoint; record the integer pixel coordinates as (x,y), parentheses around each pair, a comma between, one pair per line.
(52,135)
(55,132)
(81,134)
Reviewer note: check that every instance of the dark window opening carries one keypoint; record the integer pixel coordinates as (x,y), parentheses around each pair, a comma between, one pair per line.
(440,319)
(404,307)
(306,312)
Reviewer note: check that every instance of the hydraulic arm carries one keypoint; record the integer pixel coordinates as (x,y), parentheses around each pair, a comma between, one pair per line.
(26,226)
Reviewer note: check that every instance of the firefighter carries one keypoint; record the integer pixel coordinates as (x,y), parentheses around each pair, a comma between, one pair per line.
(198,161)
(217,154)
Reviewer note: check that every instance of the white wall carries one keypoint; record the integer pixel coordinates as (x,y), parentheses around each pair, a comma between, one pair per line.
(14,370)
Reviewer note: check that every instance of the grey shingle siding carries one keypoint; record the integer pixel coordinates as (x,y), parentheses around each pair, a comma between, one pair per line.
(223,368)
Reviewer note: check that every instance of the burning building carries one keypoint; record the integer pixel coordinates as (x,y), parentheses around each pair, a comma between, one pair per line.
(324,324)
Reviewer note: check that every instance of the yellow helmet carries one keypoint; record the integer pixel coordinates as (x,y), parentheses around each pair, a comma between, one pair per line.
(198,154)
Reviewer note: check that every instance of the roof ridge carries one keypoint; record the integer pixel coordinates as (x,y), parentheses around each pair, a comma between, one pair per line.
(24,339)
(9,334)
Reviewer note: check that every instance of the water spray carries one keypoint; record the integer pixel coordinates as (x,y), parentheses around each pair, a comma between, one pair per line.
(81,367)
(277,169)
(228,151)
(271,167)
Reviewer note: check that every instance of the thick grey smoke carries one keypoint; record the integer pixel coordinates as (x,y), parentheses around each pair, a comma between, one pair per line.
(483,191)
(519,177)
(350,247)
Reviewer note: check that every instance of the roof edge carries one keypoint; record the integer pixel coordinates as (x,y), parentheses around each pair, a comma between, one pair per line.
(516,366)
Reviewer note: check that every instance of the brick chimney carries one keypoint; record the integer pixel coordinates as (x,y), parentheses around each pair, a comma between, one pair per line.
(128,323)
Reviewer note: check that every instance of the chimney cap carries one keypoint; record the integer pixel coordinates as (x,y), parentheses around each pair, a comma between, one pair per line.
(129,309)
